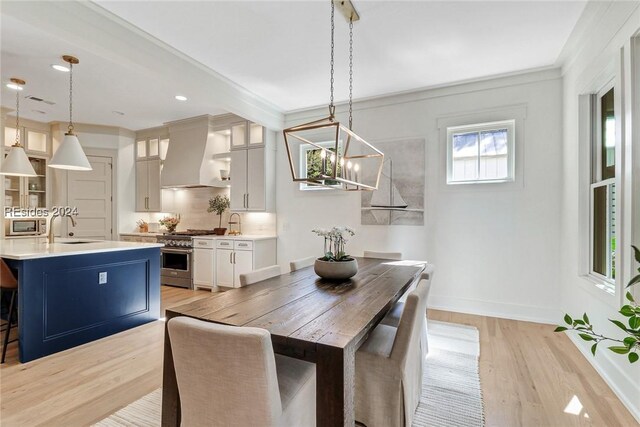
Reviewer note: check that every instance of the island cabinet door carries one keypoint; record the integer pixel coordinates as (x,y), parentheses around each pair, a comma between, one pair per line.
(124,291)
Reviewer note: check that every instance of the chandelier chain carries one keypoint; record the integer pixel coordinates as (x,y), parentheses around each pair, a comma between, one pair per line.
(331,106)
(350,72)
(17,116)
(70,97)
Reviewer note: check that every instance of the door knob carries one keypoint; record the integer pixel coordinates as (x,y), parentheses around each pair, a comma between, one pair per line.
(71,234)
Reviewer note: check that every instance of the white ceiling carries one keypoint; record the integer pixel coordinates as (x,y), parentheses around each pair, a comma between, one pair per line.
(277,50)
(280,49)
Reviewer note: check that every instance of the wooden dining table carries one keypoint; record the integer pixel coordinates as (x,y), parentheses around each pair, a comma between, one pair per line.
(309,318)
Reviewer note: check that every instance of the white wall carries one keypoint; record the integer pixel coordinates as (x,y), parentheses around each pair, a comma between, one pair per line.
(104,138)
(495,247)
(592,60)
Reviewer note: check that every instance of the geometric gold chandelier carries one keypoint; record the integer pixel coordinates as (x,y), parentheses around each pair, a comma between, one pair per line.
(331,154)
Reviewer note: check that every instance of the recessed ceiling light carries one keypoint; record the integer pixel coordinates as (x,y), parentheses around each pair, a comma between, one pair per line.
(181,98)
(60,68)
(14,86)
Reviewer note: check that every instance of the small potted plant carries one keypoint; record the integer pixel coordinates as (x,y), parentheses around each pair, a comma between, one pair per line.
(336,264)
(219,204)
(170,223)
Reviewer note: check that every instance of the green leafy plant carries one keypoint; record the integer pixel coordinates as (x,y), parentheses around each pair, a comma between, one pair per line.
(630,344)
(334,243)
(219,204)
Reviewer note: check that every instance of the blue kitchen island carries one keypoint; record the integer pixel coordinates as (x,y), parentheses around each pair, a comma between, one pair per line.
(71,293)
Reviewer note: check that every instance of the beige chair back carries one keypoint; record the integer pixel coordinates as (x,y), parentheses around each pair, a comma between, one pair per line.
(302,263)
(259,275)
(226,375)
(408,346)
(427,273)
(383,255)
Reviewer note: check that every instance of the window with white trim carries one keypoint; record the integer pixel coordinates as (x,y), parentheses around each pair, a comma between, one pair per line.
(602,237)
(311,164)
(481,153)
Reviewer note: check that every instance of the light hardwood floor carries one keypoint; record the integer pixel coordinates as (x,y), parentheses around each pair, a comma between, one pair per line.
(529,375)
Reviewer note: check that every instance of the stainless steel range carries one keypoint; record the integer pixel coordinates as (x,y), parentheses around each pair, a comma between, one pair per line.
(176,257)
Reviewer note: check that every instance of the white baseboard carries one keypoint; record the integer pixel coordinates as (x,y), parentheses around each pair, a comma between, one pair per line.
(626,390)
(526,313)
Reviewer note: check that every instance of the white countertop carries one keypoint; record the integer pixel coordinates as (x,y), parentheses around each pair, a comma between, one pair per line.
(253,237)
(137,233)
(21,249)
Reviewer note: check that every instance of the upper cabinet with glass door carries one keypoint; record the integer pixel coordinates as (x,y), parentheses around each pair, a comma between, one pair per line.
(35,141)
(247,135)
(152,147)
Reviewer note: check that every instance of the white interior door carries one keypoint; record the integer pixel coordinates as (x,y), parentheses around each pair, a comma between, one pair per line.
(243,264)
(91,193)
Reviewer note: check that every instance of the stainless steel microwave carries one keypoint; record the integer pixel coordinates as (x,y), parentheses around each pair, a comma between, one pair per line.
(25,226)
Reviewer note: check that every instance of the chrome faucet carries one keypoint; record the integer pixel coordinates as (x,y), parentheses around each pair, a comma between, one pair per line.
(239,222)
(51,237)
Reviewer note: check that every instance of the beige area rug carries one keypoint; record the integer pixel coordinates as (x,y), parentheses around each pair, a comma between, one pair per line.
(451,392)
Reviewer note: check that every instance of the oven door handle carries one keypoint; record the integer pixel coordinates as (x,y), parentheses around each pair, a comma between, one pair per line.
(176,251)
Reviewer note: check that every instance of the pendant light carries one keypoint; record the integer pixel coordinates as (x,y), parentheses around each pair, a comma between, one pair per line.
(69,154)
(347,161)
(17,163)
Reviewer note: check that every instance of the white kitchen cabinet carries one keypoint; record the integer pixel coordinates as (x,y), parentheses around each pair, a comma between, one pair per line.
(238,256)
(239,175)
(249,183)
(224,267)
(148,189)
(247,135)
(203,263)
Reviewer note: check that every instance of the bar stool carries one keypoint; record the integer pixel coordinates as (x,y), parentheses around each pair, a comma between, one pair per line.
(8,283)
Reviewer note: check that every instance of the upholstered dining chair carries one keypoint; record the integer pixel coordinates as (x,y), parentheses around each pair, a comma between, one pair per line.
(259,275)
(383,255)
(229,376)
(389,367)
(8,283)
(393,317)
(297,264)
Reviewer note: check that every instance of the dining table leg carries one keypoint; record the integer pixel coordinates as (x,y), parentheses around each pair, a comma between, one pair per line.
(170,395)
(335,386)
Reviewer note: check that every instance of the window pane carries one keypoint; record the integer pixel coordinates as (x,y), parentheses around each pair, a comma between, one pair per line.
(600,230)
(608,146)
(493,154)
(604,230)
(464,156)
(314,164)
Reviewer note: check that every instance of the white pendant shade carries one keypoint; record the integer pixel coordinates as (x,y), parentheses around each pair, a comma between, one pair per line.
(17,163)
(70,155)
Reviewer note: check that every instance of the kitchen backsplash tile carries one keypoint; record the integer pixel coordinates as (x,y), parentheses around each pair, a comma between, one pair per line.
(192,204)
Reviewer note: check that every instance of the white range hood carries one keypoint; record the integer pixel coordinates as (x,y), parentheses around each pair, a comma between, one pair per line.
(189,160)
